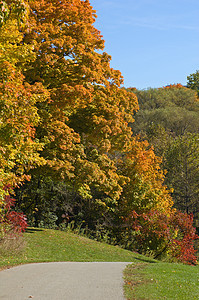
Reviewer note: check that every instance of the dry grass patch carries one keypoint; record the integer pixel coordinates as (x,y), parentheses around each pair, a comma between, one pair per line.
(12,245)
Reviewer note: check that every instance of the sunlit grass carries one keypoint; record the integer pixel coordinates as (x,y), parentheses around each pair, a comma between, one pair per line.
(144,279)
(162,281)
(46,245)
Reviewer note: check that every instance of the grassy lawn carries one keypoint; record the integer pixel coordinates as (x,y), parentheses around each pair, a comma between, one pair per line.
(162,281)
(144,279)
(45,245)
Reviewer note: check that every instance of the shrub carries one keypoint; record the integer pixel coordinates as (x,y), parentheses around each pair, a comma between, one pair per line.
(11,222)
(182,247)
(160,235)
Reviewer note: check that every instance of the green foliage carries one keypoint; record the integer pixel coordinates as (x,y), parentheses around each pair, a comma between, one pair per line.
(176,109)
(175,120)
(169,119)
(193,81)
(171,96)
(182,161)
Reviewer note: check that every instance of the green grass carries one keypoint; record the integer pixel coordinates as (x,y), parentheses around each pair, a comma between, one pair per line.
(144,279)
(162,281)
(46,245)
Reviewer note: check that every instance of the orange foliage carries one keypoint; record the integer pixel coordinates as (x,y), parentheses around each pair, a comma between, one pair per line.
(82,120)
(177,86)
(145,189)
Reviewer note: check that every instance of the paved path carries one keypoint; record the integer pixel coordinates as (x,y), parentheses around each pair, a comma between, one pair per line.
(63,281)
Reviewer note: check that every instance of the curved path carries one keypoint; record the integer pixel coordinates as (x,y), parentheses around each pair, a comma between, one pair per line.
(63,281)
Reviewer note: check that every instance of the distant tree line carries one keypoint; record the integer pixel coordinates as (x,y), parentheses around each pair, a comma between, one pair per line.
(169,119)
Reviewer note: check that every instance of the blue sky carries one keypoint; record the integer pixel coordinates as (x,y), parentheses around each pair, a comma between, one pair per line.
(152,42)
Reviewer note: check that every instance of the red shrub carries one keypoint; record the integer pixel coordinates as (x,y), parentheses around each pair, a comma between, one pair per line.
(182,246)
(159,233)
(10,220)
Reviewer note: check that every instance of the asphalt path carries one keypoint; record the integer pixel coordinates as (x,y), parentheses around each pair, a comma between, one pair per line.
(63,281)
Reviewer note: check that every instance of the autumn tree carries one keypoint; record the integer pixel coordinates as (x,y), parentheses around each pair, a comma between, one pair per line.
(18,114)
(85,124)
(87,116)
(19,149)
